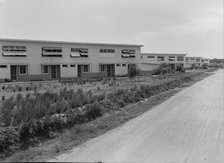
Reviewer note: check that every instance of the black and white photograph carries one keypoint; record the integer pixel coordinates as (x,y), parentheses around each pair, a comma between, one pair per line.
(120,81)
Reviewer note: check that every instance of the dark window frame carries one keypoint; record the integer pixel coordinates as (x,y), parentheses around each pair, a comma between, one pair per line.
(22,70)
(45,67)
(3,66)
(85,68)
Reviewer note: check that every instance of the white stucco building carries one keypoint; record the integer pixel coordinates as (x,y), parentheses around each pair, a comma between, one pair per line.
(151,61)
(196,62)
(46,60)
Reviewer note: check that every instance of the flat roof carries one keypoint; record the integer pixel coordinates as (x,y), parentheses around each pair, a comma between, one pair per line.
(67,42)
(163,54)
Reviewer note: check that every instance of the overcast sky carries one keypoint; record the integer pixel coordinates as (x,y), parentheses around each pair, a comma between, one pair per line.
(194,27)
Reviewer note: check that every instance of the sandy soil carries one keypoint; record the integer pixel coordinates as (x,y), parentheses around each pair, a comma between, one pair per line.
(189,127)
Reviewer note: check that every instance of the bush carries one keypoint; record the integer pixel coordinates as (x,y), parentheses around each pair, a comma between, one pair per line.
(8,138)
(3,87)
(3,98)
(93,111)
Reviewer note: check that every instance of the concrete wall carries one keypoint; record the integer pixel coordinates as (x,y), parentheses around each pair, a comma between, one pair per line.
(149,67)
(69,72)
(4,72)
(121,70)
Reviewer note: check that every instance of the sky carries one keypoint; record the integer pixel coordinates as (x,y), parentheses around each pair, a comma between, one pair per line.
(193,27)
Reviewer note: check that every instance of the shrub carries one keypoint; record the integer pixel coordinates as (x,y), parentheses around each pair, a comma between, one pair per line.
(19,88)
(3,98)
(93,111)
(8,138)
(3,87)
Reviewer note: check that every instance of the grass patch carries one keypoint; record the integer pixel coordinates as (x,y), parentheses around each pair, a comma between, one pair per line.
(112,118)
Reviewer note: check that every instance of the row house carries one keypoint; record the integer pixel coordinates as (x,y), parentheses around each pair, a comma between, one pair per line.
(151,61)
(24,60)
(196,62)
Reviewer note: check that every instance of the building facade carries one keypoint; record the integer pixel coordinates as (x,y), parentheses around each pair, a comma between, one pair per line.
(196,62)
(46,60)
(205,61)
(151,61)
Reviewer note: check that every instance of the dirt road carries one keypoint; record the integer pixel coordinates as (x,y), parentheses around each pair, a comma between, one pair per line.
(188,127)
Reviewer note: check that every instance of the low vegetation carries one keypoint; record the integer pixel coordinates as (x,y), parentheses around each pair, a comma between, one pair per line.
(31,119)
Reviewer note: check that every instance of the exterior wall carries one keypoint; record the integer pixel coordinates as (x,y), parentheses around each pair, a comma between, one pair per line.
(193,60)
(34,58)
(149,67)
(69,72)
(121,70)
(149,64)
(205,61)
(5,72)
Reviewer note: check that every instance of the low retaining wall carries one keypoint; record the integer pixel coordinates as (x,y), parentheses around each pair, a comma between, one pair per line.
(94,75)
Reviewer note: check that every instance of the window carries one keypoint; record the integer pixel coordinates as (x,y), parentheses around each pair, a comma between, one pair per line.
(111,51)
(3,66)
(171,58)
(160,58)
(72,66)
(180,58)
(197,59)
(124,65)
(86,68)
(107,51)
(22,70)
(79,52)
(128,53)
(151,57)
(64,65)
(13,48)
(102,68)
(118,65)
(51,51)
(14,51)
(45,69)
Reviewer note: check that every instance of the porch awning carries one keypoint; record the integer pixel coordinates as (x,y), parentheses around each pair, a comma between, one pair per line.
(83,54)
(125,55)
(51,54)
(75,54)
(132,56)
(15,54)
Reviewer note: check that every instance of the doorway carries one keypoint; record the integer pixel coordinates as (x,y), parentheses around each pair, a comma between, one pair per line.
(55,71)
(13,72)
(110,70)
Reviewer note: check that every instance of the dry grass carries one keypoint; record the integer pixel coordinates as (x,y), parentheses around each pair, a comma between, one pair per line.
(75,136)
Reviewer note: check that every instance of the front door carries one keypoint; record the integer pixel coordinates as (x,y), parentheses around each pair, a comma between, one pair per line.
(79,70)
(13,73)
(110,70)
(53,72)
